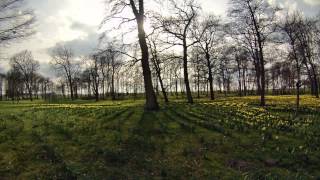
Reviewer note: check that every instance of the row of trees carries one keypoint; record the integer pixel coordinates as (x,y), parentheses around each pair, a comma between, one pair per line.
(247,37)
(95,73)
(23,79)
(256,49)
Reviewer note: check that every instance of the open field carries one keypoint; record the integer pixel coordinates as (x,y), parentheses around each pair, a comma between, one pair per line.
(228,138)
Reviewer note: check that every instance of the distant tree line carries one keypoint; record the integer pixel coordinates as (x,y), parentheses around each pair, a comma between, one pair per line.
(23,80)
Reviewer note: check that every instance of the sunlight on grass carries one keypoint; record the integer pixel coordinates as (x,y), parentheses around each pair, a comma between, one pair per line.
(220,139)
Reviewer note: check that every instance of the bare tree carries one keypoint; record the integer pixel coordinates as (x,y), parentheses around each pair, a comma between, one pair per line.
(104,65)
(290,28)
(179,26)
(15,83)
(173,69)
(225,69)
(208,36)
(86,81)
(255,20)
(15,22)
(62,60)
(115,64)
(198,66)
(45,86)
(28,67)
(157,61)
(138,9)
(307,43)
(110,64)
(94,73)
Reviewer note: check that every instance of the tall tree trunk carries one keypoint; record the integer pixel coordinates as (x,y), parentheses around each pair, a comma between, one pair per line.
(309,76)
(158,73)
(76,91)
(198,83)
(298,66)
(30,95)
(176,87)
(185,71)
(163,89)
(258,76)
(210,78)
(29,88)
(103,87)
(315,81)
(71,88)
(96,86)
(89,88)
(151,99)
(244,81)
(113,96)
(261,58)
(263,80)
(97,94)
(298,84)
(239,76)
(63,91)
(156,86)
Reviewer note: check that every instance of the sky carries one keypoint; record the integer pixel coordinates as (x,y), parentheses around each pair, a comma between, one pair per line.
(75,23)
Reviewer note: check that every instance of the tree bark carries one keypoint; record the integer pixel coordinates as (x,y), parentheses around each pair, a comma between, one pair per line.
(315,80)
(113,96)
(71,88)
(156,64)
(261,58)
(239,75)
(151,99)
(163,89)
(185,71)
(210,78)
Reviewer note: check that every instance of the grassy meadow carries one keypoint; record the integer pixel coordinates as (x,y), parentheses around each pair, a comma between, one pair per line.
(229,138)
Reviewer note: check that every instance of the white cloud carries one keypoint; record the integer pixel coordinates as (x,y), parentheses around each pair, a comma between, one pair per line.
(59,21)
(290,5)
(216,7)
(273,2)
(76,22)
(312,2)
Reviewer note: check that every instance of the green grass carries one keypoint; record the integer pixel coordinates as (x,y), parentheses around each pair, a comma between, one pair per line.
(229,138)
